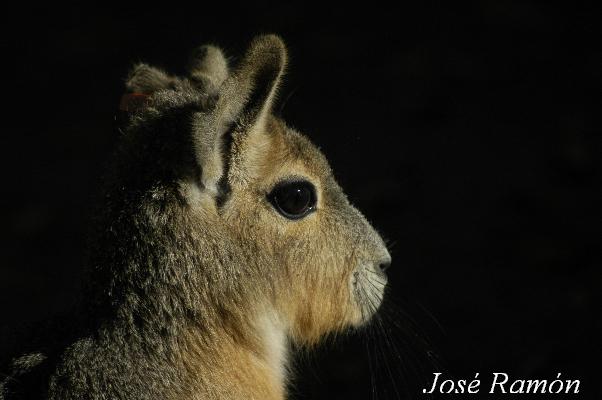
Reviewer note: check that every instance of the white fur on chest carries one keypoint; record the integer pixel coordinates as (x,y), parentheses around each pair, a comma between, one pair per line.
(275,345)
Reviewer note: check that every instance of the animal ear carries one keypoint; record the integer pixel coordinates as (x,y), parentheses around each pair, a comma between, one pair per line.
(249,93)
(208,69)
(244,101)
(146,79)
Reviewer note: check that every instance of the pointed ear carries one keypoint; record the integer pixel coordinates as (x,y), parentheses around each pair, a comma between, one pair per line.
(244,102)
(247,96)
(146,79)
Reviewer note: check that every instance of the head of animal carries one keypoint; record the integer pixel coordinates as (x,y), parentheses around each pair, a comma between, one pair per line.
(223,234)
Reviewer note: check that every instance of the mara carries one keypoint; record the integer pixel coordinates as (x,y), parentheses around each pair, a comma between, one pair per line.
(222,239)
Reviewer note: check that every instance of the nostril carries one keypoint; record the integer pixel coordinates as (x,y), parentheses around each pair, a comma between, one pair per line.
(384,265)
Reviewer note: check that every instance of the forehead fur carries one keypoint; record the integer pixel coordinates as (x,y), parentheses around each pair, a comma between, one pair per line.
(279,151)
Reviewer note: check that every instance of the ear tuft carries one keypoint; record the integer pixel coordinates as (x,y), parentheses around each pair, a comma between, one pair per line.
(146,79)
(208,68)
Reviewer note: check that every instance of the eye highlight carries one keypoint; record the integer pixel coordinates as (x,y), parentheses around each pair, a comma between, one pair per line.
(293,199)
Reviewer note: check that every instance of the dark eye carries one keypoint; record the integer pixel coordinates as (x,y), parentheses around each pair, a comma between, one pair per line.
(293,200)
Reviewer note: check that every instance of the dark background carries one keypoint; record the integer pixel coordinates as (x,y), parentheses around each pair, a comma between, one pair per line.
(469,135)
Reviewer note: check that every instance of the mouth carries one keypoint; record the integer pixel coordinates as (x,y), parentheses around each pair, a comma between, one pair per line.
(368,288)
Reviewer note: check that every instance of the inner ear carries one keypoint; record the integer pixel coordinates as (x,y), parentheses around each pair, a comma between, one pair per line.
(146,79)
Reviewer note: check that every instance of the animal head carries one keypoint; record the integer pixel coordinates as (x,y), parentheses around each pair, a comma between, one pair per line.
(233,209)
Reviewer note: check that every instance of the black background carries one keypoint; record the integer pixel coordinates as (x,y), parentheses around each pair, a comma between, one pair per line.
(468,134)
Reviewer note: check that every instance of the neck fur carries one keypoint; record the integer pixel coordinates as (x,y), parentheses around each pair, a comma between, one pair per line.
(253,367)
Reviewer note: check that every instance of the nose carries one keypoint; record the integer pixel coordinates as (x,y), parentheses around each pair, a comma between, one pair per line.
(384,265)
